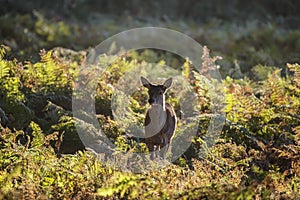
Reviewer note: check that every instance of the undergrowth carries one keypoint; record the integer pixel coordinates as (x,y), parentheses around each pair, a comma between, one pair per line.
(256,156)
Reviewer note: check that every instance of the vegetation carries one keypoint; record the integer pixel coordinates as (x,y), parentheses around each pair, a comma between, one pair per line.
(42,157)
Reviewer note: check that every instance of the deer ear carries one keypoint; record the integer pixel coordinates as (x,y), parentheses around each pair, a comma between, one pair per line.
(168,83)
(145,82)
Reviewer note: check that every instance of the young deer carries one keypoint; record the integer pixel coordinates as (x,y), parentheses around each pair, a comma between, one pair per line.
(160,120)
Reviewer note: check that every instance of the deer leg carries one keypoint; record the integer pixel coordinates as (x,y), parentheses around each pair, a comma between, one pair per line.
(152,151)
(152,156)
(163,150)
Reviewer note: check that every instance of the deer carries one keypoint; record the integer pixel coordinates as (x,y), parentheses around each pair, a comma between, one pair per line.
(160,120)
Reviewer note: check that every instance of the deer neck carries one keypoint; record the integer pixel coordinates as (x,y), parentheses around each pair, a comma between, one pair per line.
(158,116)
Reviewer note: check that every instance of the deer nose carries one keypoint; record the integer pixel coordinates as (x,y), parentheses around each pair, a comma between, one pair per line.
(151,101)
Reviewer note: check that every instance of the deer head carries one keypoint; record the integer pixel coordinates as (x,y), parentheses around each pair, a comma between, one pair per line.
(157,92)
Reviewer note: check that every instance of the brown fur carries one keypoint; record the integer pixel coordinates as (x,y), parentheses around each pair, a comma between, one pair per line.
(162,139)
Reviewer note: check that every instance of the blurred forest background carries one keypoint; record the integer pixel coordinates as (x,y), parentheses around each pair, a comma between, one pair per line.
(43,44)
(257,32)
